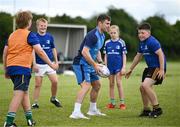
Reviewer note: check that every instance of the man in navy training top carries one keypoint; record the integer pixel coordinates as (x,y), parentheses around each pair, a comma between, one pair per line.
(86,68)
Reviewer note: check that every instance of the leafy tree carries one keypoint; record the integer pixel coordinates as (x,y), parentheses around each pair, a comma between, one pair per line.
(6,27)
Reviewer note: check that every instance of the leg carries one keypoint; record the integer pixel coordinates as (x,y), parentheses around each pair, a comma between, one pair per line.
(93,99)
(148,87)
(76,114)
(27,109)
(13,107)
(54,86)
(111,92)
(37,88)
(145,100)
(120,90)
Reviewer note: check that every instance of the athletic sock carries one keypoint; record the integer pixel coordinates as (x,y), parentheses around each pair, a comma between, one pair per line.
(112,100)
(53,98)
(122,101)
(77,107)
(10,118)
(156,106)
(28,115)
(92,106)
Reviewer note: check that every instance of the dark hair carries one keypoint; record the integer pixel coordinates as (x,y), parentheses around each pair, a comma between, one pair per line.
(103,17)
(23,18)
(144,26)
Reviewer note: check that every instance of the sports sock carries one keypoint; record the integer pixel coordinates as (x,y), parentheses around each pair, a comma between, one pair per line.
(156,106)
(122,101)
(112,100)
(28,115)
(92,106)
(10,118)
(53,98)
(77,107)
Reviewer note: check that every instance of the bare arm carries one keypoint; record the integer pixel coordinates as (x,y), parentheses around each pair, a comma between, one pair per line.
(136,60)
(105,59)
(40,52)
(55,55)
(5,55)
(5,51)
(161,72)
(99,58)
(123,70)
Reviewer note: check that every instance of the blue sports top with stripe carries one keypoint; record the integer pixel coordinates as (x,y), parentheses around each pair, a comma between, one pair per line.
(94,40)
(148,48)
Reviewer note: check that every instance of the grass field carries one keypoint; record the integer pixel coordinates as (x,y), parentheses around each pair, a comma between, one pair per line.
(48,115)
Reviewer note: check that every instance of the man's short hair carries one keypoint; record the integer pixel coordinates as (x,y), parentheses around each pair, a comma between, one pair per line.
(144,26)
(102,18)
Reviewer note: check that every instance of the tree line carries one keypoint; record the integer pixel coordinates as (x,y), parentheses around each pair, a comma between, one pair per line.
(167,34)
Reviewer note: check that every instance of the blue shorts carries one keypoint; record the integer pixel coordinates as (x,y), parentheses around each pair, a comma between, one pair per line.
(85,73)
(114,70)
(21,82)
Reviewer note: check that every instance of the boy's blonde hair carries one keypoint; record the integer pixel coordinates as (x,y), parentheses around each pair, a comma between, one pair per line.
(41,20)
(115,27)
(23,18)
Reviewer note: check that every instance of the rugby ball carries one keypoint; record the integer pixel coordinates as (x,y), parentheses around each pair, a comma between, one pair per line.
(103,71)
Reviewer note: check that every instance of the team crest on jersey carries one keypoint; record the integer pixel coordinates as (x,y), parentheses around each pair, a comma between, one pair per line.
(48,41)
(117,47)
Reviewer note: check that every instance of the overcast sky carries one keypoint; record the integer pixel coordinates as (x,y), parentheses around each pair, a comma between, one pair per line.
(139,9)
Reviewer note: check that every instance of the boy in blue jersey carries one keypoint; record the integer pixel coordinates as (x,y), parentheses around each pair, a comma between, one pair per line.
(41,68)
(115,59)
(86,68)
(150,48)
(17,60)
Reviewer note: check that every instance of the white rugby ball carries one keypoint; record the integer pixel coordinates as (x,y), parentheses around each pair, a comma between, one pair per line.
(104,71)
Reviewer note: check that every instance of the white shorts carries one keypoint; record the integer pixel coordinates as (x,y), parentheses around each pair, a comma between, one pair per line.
(44,69)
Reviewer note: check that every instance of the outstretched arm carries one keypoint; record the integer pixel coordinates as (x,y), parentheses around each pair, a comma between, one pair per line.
(136,60)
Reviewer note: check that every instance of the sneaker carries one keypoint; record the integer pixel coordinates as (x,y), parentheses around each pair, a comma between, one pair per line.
(9,125)
(145,113)
(122,106)
(155,113)
(95,113)
(35,106)
(110,106)
(78,115)
(31,122)
(56,102)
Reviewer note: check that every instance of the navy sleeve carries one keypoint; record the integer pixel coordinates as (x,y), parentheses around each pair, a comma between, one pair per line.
(52,42)
(154,45)
(90,41)
(32,39)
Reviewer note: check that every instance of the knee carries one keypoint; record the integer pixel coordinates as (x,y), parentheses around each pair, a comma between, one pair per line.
(97,87)
(54,82)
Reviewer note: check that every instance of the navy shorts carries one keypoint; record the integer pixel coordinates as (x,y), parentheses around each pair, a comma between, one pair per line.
(21,82)
(85,73)
(151,72)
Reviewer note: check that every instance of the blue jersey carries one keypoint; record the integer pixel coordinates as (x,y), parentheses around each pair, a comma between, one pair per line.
(148,48)
(114,51)
(94,40)
(19,70)
(47,44)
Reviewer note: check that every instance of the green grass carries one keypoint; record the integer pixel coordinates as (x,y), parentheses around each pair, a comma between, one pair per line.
(48,115)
